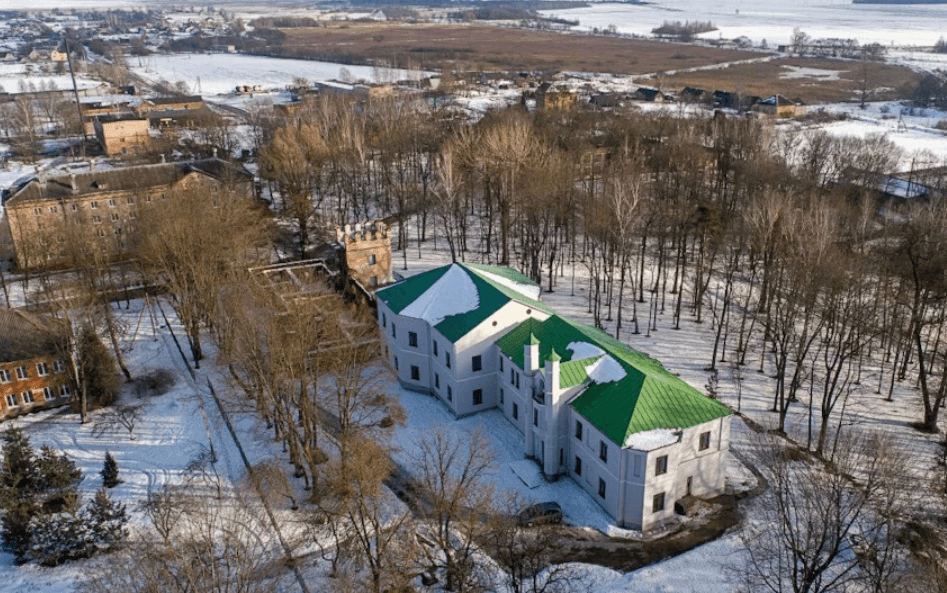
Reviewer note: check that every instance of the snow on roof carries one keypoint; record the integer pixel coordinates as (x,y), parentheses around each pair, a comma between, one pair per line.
(650,440)
(530,290)
(604,369)
(452,294)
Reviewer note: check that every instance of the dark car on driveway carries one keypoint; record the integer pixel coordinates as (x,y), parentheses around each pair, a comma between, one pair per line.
(540,514)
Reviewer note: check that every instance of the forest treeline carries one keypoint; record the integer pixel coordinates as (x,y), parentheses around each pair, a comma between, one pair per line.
(779,238)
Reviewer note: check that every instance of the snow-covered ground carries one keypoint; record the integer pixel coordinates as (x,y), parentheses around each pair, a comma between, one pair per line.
(910,25)
(219,74)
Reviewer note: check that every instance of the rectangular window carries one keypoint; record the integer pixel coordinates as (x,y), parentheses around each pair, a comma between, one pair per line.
(131,200)
(601,487)
(111,203)
(396,363)
(115,217)
(94,205)
(661,465)
(517,380)
(74,207)
(96,219)
(535,417)
(704,441)
(603,451)
(415,373)
(447,359)
(371,259)
(435,346)
(501,397)
(11,400)
(4,376)
(437,381)
(578,465)
(41,369)
(54,209)
(512,376)
(478,397)
(384,319)
(27,396)
(657,503)
(413,339)
(578,430)
(477,363)
(394,330)
(48,393)
(38,211)
(501,363)
(21,373)
(64,390)
(57,366)
(516,411)
(450,394)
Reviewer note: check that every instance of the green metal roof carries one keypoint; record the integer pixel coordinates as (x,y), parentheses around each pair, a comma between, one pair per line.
(398,296)
(573,373)
(492,296)
(648,397)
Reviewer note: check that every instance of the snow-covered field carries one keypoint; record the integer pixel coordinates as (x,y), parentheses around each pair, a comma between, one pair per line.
(910,25)
(218,74)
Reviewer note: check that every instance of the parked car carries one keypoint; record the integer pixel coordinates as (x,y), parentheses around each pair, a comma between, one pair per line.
(541,514)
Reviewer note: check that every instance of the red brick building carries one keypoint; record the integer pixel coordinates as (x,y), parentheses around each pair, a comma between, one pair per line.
(33,371)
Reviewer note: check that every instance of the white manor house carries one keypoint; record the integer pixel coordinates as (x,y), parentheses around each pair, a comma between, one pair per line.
(633,435)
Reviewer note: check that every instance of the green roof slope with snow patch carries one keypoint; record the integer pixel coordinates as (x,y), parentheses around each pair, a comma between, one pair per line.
(417,296)
(645,397)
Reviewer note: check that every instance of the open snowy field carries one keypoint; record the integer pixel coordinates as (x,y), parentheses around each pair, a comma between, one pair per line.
(218,74)
(911,25)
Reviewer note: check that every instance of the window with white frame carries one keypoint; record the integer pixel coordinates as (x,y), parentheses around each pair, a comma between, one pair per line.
(48,393)
(4,376)
(21,373)
(64,390)
(27,397)
(11,400)
(41,369)
(58,366)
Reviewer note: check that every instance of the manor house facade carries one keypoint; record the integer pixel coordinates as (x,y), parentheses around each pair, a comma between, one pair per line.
(633,435)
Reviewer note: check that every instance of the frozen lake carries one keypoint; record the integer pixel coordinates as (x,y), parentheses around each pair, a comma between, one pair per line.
(918,24)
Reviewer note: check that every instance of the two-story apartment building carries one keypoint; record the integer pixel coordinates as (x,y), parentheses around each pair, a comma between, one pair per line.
(107,203)
(33,371)
(633,435)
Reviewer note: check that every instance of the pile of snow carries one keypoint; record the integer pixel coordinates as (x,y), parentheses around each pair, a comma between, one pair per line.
(453,293)
(650,440)
(604,369)
(530,290)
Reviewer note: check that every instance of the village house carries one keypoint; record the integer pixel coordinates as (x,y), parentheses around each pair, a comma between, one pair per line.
(649,95)
(107,201)
(33,371)
(550,97)
(118,134)
(779,106)
(636,437)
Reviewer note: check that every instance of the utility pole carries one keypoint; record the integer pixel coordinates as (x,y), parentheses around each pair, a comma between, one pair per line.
(75,91)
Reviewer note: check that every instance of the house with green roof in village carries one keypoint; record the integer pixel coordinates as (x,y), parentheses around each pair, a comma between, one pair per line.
(632,434)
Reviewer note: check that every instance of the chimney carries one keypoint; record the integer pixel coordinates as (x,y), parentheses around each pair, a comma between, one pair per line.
(72,182)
